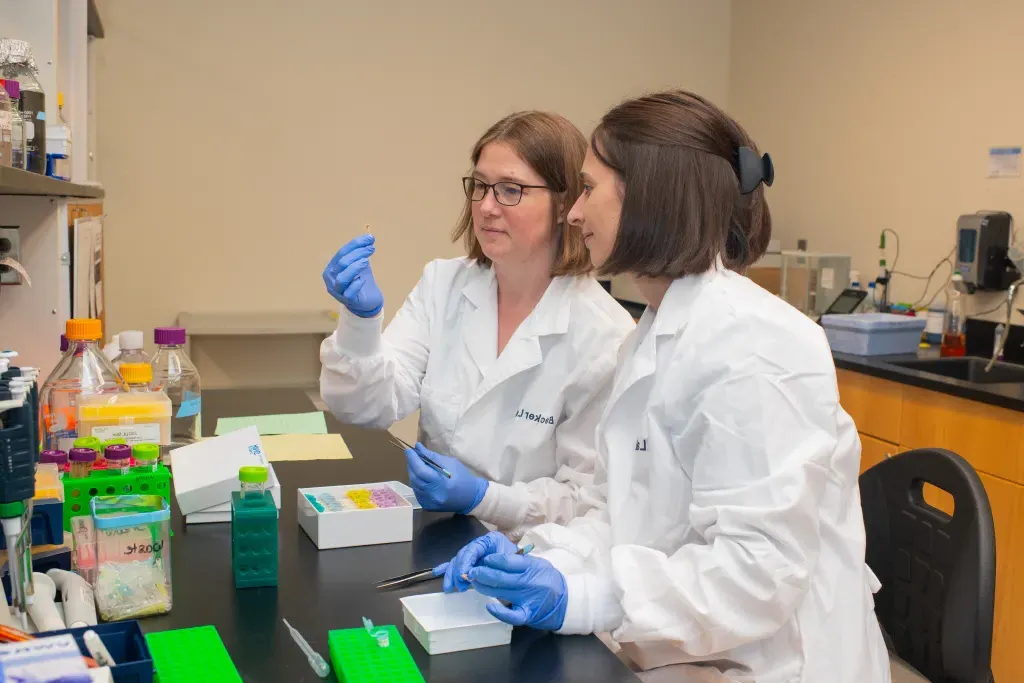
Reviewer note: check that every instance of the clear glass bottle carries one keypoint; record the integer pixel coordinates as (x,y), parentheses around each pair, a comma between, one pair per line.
(17,62)
(130,344)
(83,370)
(175,375)
(954,324)
(19,157)
(6,123)
(137,376)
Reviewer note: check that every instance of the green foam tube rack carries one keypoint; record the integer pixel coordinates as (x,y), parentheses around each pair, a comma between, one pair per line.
(78,493)
(356,657)
(189,655)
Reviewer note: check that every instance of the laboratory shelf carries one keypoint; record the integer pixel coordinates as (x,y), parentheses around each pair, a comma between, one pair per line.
(18,182)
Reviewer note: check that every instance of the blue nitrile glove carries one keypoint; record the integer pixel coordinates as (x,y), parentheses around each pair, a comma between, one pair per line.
(349,278)
(533,588)
(492,543)
(434,491)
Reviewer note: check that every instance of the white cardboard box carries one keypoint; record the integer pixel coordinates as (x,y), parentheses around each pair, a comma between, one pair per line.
(451,622)
(206,472)
(222,512)
(347,528)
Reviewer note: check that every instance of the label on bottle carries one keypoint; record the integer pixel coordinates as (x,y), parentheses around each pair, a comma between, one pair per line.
(191,404)
(61,427)
(132,434)
(30,129)
(5,120)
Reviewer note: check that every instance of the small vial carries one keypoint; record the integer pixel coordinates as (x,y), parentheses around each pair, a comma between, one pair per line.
(58,458)
(119,457)
(253,481)
(147,457)
(96,445)
(82,461)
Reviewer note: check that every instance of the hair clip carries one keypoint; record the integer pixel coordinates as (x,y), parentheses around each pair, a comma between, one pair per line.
(753,170)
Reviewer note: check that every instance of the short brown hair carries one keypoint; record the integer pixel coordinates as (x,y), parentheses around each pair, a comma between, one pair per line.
(675,154)
(554,148)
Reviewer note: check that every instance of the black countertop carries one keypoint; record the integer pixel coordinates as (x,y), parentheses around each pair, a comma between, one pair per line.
(1009,395)
(331,589)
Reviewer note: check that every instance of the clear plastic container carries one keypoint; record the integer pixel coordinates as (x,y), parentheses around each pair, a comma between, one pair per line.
(17,62)
(147,456)
(83,371)
(82,461)
(136,417)
(58,144)
(133,556)
(253,481)
(119,458)
(954,322)
(137,376)
(18,142)
(130,343)
(175,375)
(6,131)
(873,334)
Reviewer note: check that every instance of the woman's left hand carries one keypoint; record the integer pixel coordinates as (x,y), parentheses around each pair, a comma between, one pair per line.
(534,590)
(461,493)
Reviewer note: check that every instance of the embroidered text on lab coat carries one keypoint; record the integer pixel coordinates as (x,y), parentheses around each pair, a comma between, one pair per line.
(641,444)
(527,415)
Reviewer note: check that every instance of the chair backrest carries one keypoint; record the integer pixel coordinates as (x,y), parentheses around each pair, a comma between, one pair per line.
(938,572)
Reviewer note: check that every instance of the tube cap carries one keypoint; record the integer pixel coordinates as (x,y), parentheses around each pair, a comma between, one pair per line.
(82,455)
(118,451)
(83,329)
(130,339)
(254,474)
(56,457)
(137,373)
(87,442)
(146,451)
(169,335)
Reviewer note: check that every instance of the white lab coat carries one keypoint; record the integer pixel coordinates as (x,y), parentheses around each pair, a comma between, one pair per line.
(727,527)
(525,420)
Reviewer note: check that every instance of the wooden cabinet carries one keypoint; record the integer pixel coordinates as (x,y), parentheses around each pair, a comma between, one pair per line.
(893,418)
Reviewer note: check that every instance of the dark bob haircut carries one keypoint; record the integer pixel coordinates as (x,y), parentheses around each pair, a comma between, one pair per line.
(675,155)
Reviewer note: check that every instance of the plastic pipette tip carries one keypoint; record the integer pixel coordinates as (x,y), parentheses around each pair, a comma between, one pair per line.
(316,662)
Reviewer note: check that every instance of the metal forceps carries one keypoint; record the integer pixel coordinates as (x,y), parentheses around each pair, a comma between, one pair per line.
(398,443)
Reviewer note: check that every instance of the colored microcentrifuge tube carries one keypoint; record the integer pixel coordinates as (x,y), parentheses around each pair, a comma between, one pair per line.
(147,457)
(253,480)
(377,633)
(82,460)
(119,458)
(58,458)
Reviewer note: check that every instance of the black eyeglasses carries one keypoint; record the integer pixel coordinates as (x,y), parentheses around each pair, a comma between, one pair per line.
(505,193)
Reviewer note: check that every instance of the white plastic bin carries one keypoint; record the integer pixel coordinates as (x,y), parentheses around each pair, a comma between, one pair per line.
(873,334)
(451,622)
(390,522)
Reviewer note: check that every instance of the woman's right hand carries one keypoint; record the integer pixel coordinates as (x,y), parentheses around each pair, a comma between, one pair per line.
(349,278)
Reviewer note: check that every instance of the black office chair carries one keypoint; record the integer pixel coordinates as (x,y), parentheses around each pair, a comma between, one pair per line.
(938,572)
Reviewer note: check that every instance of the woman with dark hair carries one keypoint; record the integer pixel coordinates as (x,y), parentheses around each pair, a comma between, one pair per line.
(725,526)
(507,353)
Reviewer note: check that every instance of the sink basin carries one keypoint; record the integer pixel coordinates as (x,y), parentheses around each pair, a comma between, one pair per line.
(968,369)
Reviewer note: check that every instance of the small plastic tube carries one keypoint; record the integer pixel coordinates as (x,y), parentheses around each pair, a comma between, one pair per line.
(58,458)
(119,457)
(253,480)
(147,457)
(82,461)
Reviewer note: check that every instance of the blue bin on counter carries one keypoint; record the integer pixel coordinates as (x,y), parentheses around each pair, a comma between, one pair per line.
(126,644)
(873,334)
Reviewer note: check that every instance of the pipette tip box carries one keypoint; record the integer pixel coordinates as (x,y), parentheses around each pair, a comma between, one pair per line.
(452,622)
(346,516)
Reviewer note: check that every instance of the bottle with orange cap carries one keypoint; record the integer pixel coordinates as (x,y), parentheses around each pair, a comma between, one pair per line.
(137,377)
(83,370)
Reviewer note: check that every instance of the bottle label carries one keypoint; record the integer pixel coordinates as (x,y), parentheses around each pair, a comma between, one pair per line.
(61,426)
(132,434)
(5,120)
(191,404)
(30,129)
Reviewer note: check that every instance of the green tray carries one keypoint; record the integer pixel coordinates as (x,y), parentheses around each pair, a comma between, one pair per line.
(78,493)
(356,657)
(189,655)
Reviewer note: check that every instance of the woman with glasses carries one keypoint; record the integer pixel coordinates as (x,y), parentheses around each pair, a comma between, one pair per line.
(507,353)
(726,530)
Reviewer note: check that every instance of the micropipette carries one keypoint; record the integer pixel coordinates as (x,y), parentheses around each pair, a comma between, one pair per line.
(315,660)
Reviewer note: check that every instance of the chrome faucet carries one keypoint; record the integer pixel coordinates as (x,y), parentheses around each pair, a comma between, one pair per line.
(997,351)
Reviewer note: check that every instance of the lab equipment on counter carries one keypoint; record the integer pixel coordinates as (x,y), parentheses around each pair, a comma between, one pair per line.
(136,417)
(58,145)
(810,282)
(316,661)
(17,63)
(6,127)
(19,143)
(934,321)
(126,645)
(137,376)
(345,516)
(873,334)
(79,492)
(179,654)
(132,552)
(954,321)
(982,242)
(43,610)
(175,375)
(82,461)
(147,457)
(130,343)
(119,458)
(97,650)
(82,371)
(206,473)
(356,657)
(409,579)
(452,622)
(77,597)
(253,531)
(847,302)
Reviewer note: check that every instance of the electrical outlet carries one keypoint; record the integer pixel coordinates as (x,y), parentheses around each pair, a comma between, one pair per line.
(10,246)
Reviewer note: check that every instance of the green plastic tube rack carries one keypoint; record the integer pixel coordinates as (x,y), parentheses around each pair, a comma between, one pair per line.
(254,540)
(356,657)
(180,655)
(78,493)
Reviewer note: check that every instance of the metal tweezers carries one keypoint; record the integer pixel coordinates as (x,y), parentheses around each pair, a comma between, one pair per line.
(408,579)
(401,445)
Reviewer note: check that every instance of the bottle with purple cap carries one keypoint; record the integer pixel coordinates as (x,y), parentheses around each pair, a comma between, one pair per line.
(58,458)
(119,458)
(175,375)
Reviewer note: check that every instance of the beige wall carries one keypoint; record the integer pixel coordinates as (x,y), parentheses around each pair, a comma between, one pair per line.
(879,114)
(241,143)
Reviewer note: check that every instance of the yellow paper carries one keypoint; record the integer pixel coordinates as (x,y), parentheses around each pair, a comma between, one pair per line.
(285,447)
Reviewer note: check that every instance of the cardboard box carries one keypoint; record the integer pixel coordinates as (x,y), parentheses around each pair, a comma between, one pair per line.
(206,472)
(347,528)
(222,512)
(451,622)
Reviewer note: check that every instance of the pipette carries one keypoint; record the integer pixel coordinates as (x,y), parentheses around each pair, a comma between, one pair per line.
(315,660)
